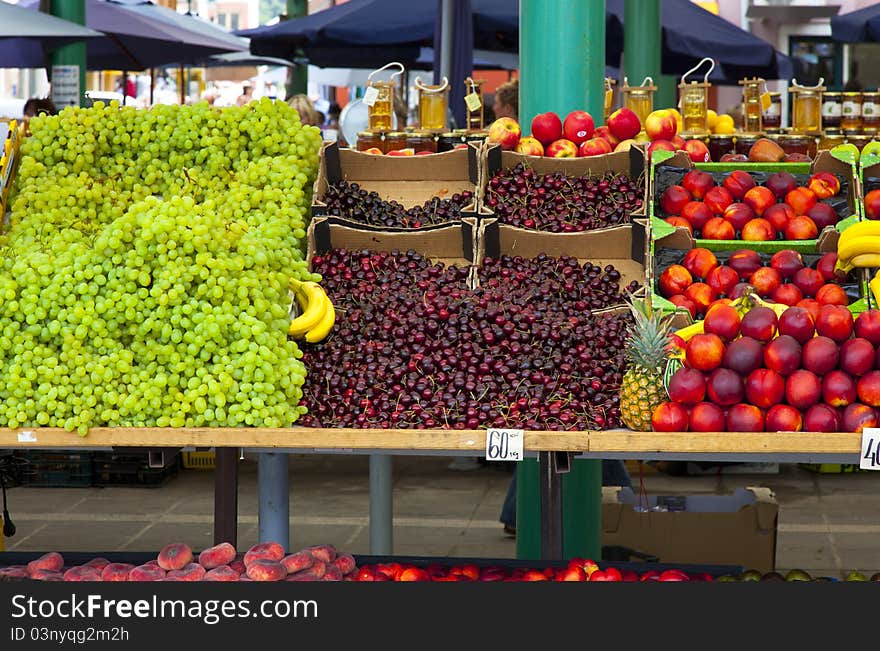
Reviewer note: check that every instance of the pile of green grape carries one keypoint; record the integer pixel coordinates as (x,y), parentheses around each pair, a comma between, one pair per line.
(144,271)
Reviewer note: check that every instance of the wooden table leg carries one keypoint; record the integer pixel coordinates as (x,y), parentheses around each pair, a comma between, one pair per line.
(226,496)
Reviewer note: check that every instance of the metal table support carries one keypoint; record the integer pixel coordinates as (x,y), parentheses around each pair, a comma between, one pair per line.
(381,505)
(551,507)
(274,514)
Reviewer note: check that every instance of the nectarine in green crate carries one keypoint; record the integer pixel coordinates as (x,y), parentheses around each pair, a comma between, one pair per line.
(753,205)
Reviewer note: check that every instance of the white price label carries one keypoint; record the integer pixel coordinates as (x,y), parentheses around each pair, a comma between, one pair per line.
(472,101)
(371,95)
(504,445)
(26,437)
(870,457)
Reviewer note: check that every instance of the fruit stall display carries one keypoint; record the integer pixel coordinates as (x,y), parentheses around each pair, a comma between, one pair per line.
(397,193)
(693,280)
(576,135)
(772,208)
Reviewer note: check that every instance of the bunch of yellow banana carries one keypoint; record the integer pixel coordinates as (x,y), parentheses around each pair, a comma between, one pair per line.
(317,314)
(859,246)
(874,285)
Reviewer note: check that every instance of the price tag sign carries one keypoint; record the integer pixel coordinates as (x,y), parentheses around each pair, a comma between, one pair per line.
(504,445)
(371,95)
(870,457)
(472,101)
(26,437)
(765,101)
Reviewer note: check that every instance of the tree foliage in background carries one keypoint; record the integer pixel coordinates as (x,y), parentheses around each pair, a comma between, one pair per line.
(270,9)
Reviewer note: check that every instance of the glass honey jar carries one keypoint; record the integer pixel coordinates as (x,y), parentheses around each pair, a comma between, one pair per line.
(395,140)
(806,107)
(421,141)
(719,145)
(744,143)
(830,139)
(871,112)
(370,140)
(831,110)
(797,143)
(447,141)
(851,111)
(433,103)
(381,113)
(773,114)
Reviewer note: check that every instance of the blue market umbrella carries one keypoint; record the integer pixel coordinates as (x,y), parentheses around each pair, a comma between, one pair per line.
(137,35)
(860,26)
(27,36)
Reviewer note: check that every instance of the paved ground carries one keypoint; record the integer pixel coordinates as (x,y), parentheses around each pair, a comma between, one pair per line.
(828,524)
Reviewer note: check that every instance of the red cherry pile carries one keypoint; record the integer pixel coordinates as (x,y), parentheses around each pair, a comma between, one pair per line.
(767,373)
(414,347)
(351,201)
(560,203)
(741,209)
(577,569)
(700,280)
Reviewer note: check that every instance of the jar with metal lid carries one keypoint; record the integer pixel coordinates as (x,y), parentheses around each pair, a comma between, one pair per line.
(395,140)
(447,141)
(859,140)
(744,143)
(370,140)
(421,141)
(719,145)
(773,114)
(851,111)
(797,143)
(831,139)
(831,110)
(871,112)
(476,136)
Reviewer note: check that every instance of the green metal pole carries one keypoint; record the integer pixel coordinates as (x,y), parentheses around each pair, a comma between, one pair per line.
(562,69)
(641,41)
(68,71)
(298,82)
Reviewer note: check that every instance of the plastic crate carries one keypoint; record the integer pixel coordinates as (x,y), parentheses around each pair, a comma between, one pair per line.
(111,469)
(56,469)
(199,460)
(831,468)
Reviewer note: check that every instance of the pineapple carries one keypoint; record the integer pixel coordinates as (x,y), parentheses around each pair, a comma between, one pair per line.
(646,351)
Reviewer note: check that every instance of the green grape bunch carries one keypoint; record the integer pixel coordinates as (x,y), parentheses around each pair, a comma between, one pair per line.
(146,267)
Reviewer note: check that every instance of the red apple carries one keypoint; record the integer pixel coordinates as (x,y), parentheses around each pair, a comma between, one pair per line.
(783,418)
(697,150)
(547,127)
(529,146)
(821,418)
(867,326)
(593,147)
(578,127)
(624,124)
(722,279)
(835,322)
(831,294)
(675,279)
(661,125)
(787,294)
(680,222)
(826,267)
(678,142)
(808,280)
(706,417)
(801,200)
(682,301)
(797,322)
(603,132)
(562,148)
(787,262)
(801,228)
(663,145)
(699,262)
(857,417)
(505,132)
(745,418)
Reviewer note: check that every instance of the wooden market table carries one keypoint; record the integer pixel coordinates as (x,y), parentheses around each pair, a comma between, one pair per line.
(554,450)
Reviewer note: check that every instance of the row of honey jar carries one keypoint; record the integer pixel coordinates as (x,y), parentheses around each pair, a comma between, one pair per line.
(418,141)
(791,143)
(852,112)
